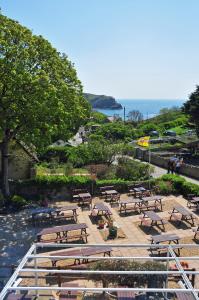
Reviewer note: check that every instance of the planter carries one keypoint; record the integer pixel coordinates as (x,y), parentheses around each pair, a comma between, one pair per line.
(112,232)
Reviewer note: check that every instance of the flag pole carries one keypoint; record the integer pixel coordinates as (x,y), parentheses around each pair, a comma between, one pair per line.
(149,165)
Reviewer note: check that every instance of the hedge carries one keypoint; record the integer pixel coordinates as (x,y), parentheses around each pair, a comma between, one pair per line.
(46,183)
(180,185)
(121,185)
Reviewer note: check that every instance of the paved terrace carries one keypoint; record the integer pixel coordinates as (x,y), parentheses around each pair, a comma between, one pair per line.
(17,232)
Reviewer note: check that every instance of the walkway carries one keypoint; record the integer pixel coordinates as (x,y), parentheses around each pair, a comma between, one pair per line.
(160,171)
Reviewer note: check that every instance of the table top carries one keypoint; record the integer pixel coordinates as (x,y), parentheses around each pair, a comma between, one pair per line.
(13,296)
(82,251)
(152,198)
(195,199)
(125,294)
(101,206)
(43,210)
(111,192)
(63,228)
(50,210)
(84,195)
(68,292)
(183,211)
(152,215)
(165,238)
(66,208)
(131,200)
(139,189)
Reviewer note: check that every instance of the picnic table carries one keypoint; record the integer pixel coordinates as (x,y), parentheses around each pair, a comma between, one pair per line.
(61,233)
(13,296)
(125,295)
(54,213)
(185,214)
(196,231)
(184,296)
(195,201)
(111,192)
(156,220)
(85,198)
(102,209)
(81,252)
(138,191)
(161,238)
(130,204)
(157,199)
(140,204)
(67,294)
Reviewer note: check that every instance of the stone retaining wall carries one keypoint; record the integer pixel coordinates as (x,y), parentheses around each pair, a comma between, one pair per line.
(188,170)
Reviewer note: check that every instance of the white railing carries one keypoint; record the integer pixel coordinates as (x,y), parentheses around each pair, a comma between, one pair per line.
(13,284)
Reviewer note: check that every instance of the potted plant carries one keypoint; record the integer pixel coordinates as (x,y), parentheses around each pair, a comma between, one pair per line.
(101,224)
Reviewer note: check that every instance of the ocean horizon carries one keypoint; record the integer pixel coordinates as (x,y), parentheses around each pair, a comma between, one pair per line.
(148,107)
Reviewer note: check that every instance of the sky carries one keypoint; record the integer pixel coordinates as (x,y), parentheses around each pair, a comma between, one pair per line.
(141,49)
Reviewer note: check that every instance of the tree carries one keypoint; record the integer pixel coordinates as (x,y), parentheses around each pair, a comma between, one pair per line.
(40,94)
(135,116)
(191,107)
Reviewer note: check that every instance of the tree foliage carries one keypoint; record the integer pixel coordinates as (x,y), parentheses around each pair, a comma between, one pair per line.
(135,116)
(191,107)
(40,94)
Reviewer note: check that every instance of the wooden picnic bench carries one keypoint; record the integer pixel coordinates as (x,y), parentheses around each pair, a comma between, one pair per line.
(156,220)
(185,214)
(196,231)
(162,238)
(13,296)
(157,199)
(195,201)
(130,204)
(67,294)
(75,194)
(61,233)
(54,213)
(101,209)
(138,191)
(85,198)
(81,252)
(126,295)
(184,296)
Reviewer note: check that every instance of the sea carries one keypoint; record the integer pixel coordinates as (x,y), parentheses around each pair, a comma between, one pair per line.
(148,107)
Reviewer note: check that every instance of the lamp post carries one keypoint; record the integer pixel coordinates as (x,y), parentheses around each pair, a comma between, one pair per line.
(124,114)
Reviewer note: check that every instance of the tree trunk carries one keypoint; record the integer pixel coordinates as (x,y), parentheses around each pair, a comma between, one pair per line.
(4,166)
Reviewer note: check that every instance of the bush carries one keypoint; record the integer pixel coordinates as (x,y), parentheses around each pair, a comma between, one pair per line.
(180,185)
(131,280)
(129,169)
(18,201)
(60,153)
(165,187)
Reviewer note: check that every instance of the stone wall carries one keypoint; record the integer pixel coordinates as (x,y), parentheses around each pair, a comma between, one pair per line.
(19,163)
(187,170)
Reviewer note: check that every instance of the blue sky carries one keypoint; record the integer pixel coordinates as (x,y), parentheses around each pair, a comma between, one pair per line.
(124,48)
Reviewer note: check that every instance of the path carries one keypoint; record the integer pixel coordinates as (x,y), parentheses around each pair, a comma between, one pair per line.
(160,171)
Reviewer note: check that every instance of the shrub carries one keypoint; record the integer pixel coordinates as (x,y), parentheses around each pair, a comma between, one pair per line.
(151,280)
(180,185)
(129,169)
(60,153)
(165,187)
(18,201)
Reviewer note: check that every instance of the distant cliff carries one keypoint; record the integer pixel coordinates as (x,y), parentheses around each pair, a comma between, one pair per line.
(102,101)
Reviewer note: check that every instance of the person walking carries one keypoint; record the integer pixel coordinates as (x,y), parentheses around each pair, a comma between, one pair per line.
(171,164)
(178,165)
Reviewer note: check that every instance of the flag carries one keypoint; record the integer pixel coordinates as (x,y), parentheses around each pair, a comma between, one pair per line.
(143,141)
